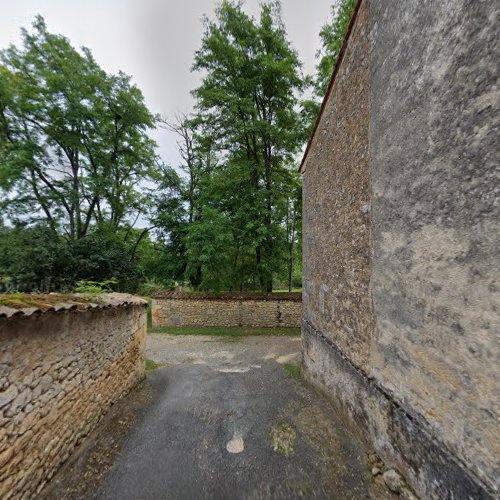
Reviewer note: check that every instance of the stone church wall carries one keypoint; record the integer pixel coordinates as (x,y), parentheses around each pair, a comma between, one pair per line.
(401,243)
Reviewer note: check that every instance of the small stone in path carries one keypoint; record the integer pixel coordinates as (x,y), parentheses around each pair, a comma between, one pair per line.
(236,445)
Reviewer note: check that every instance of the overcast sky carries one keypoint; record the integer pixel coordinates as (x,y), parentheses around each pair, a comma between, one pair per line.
(153,40)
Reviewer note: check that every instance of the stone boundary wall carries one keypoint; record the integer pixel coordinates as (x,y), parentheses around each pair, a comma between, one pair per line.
(60,371)
(274,310)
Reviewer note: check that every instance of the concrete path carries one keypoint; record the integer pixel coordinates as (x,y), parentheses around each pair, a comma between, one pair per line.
(226,420)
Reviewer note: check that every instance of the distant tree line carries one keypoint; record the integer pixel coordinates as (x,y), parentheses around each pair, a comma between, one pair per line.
(78,169)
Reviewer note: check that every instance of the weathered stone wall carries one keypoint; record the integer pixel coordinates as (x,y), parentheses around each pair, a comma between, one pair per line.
(59,373)
(436,221)
(249,310)
(401,302)
(336,224)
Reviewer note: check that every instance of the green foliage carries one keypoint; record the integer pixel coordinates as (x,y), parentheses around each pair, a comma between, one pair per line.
(74,151)
(210,250)
(153,365)
(332,36)
(75,160)
(73,141)
(295,371)
(103,255)
(39,259)
(34,259)
(226,220)
(95,287)
(151,287)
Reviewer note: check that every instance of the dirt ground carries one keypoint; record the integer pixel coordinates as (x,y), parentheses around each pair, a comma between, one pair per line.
(220,353)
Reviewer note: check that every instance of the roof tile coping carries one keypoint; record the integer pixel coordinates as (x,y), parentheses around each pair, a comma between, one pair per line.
(228,296)
(71,302)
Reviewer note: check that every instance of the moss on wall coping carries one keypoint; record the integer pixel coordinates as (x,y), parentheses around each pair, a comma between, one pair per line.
(229,296)
(26,304)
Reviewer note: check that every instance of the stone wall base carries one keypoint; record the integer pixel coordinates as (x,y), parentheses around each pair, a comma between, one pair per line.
(401,438)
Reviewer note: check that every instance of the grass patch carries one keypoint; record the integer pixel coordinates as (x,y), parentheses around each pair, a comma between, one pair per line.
(153,365)
(226,332)
(149,316)
(295,371)
(282,438)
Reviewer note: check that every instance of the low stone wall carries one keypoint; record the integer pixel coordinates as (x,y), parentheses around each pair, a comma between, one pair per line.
(60,370)
(227,310)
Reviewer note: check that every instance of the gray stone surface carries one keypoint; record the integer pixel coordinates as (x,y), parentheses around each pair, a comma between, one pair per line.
(393,480)
(401,438)
(402,241)
(434,156)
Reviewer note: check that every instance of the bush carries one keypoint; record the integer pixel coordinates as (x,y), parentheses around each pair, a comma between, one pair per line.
(38,259)
(151,287)
(102,256)
(34,259)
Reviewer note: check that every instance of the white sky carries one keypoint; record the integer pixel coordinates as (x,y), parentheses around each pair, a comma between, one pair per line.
(153,40)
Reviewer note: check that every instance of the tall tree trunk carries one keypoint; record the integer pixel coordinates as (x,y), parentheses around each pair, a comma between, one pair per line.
(269,243)
(291,245)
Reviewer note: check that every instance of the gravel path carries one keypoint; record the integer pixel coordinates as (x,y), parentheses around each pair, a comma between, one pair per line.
(221,353)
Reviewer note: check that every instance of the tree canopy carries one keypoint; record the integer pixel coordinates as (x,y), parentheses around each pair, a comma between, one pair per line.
(74,142)
(239,151)
(78,168)
(332,36)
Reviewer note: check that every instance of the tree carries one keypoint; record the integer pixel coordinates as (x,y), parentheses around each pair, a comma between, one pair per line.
(210,250)
(332,36)
(197,160)
(249,97)
(293,225)
(178,197)
(73,141)
(74,155)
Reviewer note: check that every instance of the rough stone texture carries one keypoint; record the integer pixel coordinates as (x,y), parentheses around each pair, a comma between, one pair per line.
(436,183)
(62,371)
(404,440)
(420,368)
(270,311)
(337,217)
